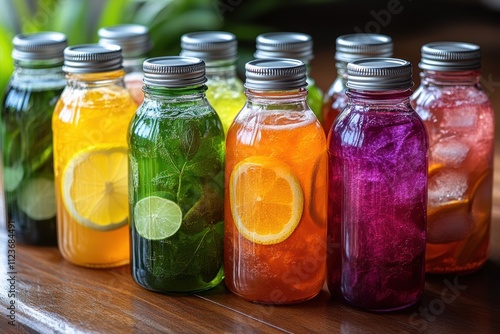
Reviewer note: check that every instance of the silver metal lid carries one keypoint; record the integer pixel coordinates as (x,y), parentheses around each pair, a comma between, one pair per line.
(132,38)
(284,45)
(275,74)
(45,45)
(210,45)
(379,74)
(450,56)
(92,58)
(174,71)
(356,46)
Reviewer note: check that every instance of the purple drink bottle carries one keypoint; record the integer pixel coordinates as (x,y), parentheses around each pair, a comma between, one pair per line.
(377,190)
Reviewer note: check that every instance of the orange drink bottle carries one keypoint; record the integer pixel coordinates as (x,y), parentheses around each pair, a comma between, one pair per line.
(90,125)
(135,44)
(275,188)
(349,48)
(460,123)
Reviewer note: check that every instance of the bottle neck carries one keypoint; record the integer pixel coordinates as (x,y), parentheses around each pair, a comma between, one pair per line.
(131,65)
(222,69)
(341,71)
(173,95)
(38,76)
(96,80)
(450,78)
(388,98)
(291,98)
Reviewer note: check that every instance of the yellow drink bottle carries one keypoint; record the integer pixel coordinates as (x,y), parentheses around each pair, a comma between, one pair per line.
(90,125)
(218,49)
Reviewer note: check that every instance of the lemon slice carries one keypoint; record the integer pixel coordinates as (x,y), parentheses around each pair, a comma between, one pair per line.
(37,198)
(266,199)
(95,187)
(157,218)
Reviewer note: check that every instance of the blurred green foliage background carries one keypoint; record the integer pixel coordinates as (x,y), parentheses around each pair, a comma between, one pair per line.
(166,19)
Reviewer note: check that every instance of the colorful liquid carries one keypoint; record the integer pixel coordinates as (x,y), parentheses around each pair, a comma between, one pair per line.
(294,269)
(26,142)
(333,105)
(460,123)
(90,140)
(377,208)
(133,82)
(177,153)
(315,99)
(227,98)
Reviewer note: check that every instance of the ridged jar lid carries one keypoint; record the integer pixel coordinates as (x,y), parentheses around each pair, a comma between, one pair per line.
(45,45)
(284,45)
(356,46)
(379,74)
(132,38)
(174,71)
(275,74)
(210,45)
(92,58)
(450,56)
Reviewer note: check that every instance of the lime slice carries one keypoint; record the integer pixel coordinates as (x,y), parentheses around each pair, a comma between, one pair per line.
(157,218)
(37,198)
(12,177)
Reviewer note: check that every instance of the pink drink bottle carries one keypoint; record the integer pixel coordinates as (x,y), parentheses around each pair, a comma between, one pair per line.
(460,122)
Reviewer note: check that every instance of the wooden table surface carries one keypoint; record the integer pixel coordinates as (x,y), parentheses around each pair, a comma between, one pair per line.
(47,294)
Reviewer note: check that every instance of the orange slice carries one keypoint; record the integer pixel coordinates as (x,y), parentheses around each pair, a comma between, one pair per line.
(449,222)
(266,199)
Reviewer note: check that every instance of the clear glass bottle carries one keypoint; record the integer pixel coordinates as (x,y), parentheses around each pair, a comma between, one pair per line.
(295,46)
(349,48)
(219,51)
(275,208)
(135,43)
(377,190)
(176,185)
(26,136)
(460,121)
(90,124)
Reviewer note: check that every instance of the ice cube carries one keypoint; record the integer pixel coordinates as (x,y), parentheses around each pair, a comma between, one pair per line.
(450,152)
(460,117)
(445,186)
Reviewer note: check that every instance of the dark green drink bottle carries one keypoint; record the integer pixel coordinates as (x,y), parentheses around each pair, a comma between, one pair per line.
(26,136)
(176,186)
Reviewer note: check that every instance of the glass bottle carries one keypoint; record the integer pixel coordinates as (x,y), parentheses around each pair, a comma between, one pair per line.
(275,212)
(460,121)
(90,125)
(295,46)
(219,51)
(26,136)
(135,44)
(377,190)
(176,185)
(349,48)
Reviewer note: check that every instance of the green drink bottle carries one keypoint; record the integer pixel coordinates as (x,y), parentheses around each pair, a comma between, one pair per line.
(176,186)
(26,136)
(295,46)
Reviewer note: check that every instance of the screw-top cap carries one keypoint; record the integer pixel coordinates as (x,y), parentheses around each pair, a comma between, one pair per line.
(450,56)
(356,46)
(284,45)
(45,45)
(275,74)
(174,71)
(92,58)
(132,38)
(379,74)
(210,45)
